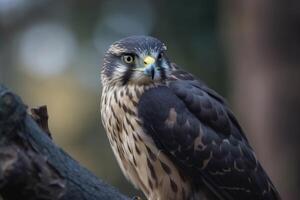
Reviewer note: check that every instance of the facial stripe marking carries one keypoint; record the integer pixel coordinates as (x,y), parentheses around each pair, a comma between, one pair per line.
(126,77)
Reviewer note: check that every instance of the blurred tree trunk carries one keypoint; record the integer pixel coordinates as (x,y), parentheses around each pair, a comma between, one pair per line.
(264,41)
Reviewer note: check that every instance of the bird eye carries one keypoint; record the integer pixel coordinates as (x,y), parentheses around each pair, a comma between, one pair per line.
(159,57)
(128,59)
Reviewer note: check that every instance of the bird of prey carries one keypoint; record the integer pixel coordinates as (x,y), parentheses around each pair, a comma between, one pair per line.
(174,137)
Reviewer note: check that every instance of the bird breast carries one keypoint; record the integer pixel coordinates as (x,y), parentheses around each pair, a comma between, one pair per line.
(147,167)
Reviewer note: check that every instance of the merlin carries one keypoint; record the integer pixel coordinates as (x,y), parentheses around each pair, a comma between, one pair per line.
(174,137)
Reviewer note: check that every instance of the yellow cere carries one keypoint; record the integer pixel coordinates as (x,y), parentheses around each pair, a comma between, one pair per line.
(148,60)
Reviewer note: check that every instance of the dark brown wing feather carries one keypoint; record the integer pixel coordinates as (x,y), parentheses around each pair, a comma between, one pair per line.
(204,138)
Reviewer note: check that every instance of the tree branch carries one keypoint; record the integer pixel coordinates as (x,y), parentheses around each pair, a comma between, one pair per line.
(33,167)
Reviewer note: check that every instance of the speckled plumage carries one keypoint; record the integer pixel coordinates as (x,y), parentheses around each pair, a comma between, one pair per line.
(140,160)
(173,137)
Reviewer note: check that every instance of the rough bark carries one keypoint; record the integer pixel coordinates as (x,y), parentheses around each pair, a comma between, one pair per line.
(33,167)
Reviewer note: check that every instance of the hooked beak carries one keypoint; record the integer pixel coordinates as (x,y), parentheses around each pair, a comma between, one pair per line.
(149,69)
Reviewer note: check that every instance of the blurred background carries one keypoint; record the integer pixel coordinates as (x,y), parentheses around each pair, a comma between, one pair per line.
(247,50)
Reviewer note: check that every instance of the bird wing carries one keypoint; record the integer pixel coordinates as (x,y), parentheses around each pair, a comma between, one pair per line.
(193,125)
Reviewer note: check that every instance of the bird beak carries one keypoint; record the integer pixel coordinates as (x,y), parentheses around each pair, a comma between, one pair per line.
(149,69)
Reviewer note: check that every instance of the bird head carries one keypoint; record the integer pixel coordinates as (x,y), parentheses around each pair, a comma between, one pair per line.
(136,60)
